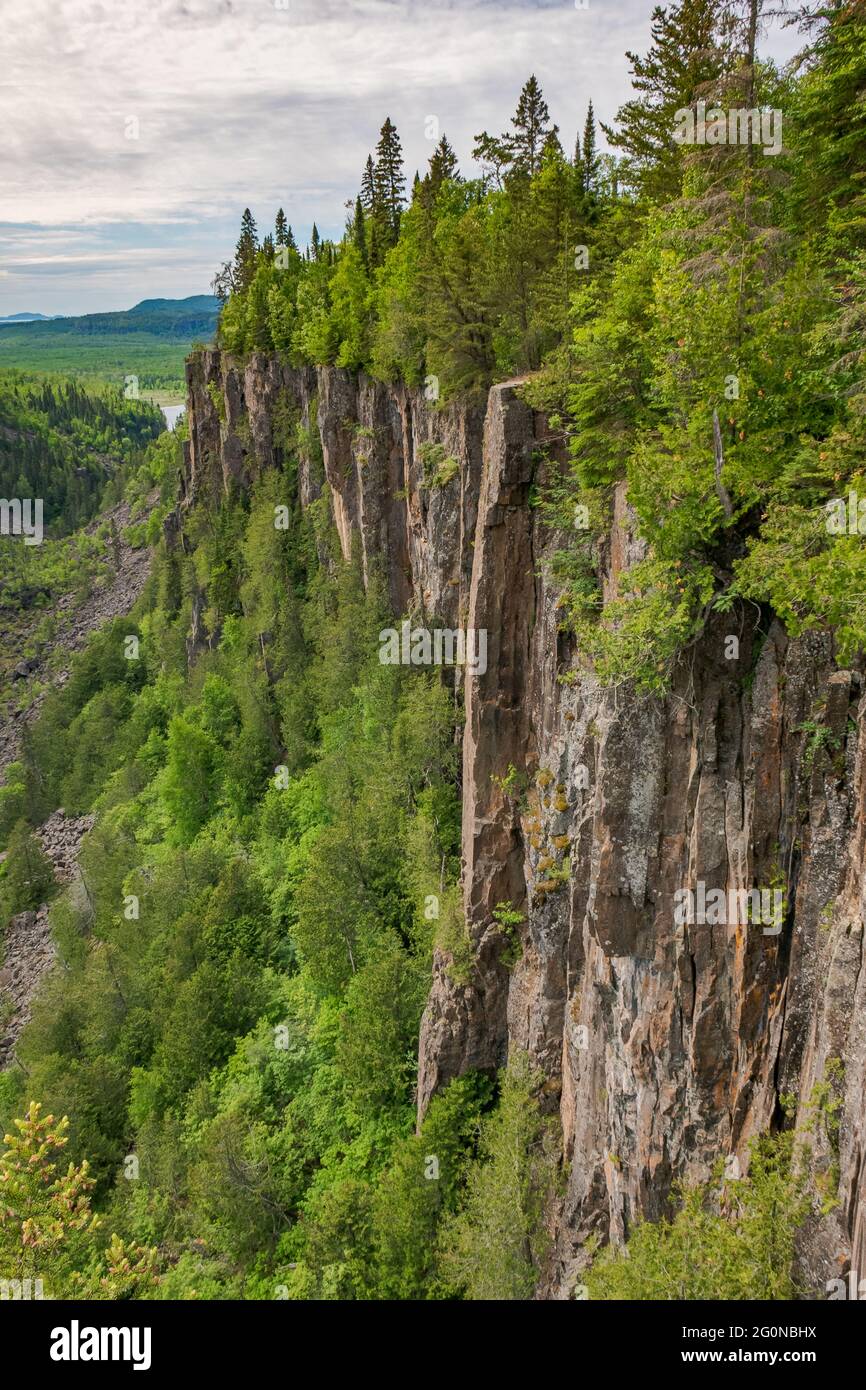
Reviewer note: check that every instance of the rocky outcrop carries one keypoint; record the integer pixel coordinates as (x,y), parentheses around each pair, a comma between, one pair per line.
(403,475)
(665,1045)
(112,594)
(27,944)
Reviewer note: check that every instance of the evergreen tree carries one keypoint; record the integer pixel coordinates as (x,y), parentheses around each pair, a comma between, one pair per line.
(831,114)
(223,283)
(552,148)
(686,52)
(368,186)
(315,244)
(443,165)
(282,231)
(359,231)
(245,252)
(48,1229)
(519,151)
(532,129)
(390,182)
(589,160)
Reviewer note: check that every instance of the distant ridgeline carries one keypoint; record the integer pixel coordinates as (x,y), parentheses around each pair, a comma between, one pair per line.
(149,342)
(63,443)
(165,318)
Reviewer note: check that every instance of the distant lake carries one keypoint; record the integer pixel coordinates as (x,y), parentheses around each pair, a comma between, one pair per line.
(172,414)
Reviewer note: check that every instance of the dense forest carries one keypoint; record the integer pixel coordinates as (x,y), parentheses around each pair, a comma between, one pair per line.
(233,1032)
(148,341)
(63,444)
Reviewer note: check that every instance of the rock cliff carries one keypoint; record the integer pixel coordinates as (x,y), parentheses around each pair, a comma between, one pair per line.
(665,1045)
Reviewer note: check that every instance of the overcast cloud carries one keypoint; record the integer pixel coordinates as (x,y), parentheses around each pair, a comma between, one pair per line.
(253,102)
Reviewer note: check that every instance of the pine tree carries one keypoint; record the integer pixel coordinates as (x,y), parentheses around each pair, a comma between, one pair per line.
(222,283)
(368,186)
(281,229)
(315,244)
(48,1228)
(245,252)
(443,165)
(687,51)
(589,161)
(552,148)
(531,129)
(390,182)
(832,117)
(359,231)
(493,153)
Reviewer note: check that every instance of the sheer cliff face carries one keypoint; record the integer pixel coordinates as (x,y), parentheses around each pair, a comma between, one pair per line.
(665,1045)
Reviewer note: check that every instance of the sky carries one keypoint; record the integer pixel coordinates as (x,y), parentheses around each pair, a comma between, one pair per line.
(135,133)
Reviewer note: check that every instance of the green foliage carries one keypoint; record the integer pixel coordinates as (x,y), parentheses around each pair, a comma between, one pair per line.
(250,1031)
(60,442)
(715,368)
(730,1239)
(27,876)
(467,282)
(437,467)
(493,1247)
(48,1231)
(12,800)
(509,920)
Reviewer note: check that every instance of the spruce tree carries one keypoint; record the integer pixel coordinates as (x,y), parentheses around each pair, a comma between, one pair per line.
(831,115)
(531,122)
(443,164)
(281,229)
(390,182)
(359,231)
(245,252)
(368,186)
(589,163)
(687,52)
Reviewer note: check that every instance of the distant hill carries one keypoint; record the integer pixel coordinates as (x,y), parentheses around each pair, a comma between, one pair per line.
(195,304)
(25,318)
(178,319)
(148,342)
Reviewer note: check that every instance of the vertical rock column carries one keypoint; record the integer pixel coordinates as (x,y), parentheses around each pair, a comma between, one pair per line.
(465,1027)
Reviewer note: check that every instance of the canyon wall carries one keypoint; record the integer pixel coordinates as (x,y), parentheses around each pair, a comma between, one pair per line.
(664,1047)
